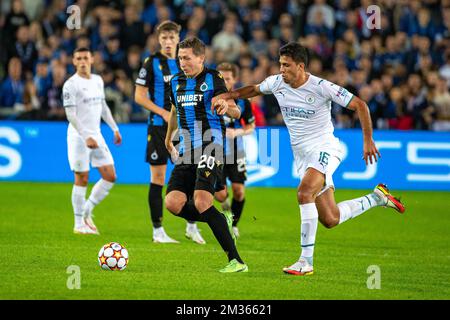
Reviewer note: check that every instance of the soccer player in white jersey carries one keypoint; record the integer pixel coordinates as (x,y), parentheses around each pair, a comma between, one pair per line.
(305,102)
(85,106)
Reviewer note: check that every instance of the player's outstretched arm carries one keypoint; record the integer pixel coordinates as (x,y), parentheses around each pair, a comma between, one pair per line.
(370,150)
(241,93)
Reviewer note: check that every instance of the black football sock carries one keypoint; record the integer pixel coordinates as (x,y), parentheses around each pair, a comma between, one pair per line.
(236,209)
(155,203)
(219,227)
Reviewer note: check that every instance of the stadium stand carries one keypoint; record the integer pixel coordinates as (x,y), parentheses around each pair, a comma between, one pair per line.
(402,70)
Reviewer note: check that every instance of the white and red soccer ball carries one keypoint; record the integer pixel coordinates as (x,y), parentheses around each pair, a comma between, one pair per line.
(113,256)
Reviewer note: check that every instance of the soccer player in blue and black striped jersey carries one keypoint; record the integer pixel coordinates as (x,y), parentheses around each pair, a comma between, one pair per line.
(234,168)
(200,157)
(152,92)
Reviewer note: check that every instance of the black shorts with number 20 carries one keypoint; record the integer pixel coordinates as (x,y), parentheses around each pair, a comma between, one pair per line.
(156,153)
(190,177)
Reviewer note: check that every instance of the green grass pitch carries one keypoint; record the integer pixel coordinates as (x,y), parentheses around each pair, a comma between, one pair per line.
(411,250)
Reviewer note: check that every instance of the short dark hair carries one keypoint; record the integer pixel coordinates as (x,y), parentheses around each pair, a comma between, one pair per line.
(168,25)
(197,45)
(226,66)
(296,51)
(82,49)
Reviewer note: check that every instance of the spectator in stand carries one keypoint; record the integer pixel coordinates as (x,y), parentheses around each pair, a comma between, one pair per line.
(403,119)
(132,30)
(12,89)
(228,41)
(417,101)
(258,45)
(441,106)
(42,80)
(14,20)
(24,49)
(54,108)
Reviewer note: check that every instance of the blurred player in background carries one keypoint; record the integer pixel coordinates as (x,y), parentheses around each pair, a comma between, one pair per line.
(152,87)
(234,168)
(85,106)
(200,158)
(305,102)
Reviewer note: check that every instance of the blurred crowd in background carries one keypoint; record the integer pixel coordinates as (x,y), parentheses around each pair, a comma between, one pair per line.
(402,69)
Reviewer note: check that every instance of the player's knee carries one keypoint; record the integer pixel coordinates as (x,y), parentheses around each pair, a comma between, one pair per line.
(112,177)
(221,196)
(173,206)
(202,205)
(82,179)
(238,193)
(305,196)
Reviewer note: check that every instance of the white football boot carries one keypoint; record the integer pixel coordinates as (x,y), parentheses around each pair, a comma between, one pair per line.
(300,268)
(193,233)
(90,223)
(382,191)
(160,236)
(83,229)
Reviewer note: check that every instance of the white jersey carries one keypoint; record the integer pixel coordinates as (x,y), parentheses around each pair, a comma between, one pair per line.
(307,109)
(88,96)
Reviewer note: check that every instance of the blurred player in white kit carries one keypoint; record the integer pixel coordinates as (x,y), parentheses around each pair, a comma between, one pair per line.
(85,106)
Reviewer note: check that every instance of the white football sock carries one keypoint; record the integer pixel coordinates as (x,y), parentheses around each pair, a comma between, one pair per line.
(352,208)
(310,218)
(98,193)
(78,200)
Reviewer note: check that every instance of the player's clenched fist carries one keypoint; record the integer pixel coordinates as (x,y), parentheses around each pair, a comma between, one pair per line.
(91,143)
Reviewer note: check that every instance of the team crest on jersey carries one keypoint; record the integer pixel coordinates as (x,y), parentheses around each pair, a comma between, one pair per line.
(66,96)
(310,99)
(142,73)
(204,87)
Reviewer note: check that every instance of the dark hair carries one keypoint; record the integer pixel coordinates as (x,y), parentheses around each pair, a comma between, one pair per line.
(226,66)
(197,45)
(168,25)
(296,51)
(82,49)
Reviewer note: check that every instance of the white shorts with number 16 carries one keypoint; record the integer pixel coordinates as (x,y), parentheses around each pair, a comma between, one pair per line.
(324,157)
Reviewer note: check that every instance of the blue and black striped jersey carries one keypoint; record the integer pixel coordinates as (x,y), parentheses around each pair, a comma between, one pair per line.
(198,127)
(155,74)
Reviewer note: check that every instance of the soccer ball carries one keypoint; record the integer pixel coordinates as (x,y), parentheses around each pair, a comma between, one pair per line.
(113,256)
